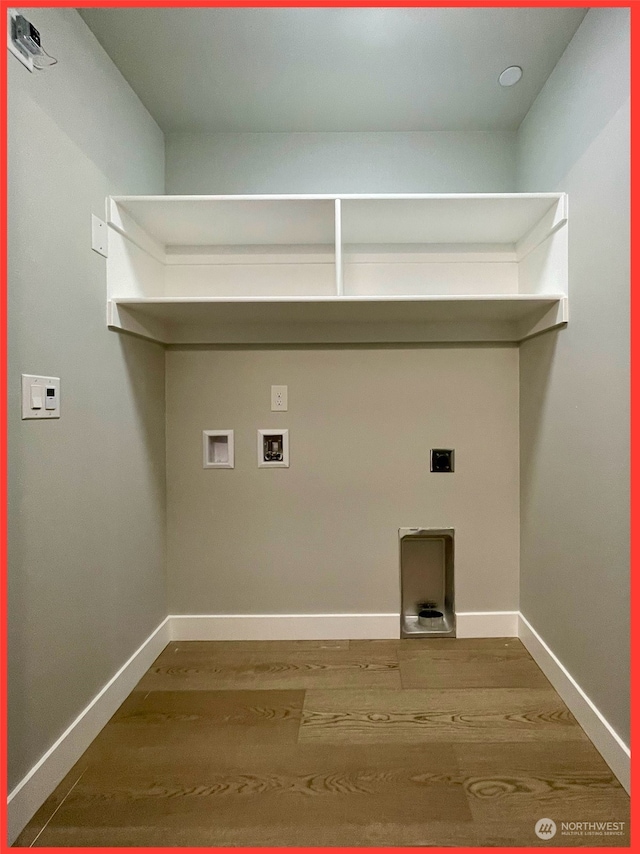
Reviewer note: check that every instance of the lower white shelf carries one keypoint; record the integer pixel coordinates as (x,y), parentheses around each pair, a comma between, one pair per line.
(338,319)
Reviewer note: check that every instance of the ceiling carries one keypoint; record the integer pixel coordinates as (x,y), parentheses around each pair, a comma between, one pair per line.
(333,69)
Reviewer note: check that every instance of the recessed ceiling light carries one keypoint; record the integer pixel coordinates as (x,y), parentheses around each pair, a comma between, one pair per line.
(510,76)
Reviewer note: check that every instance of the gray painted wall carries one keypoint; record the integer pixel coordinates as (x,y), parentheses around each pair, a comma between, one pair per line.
(322,536)
(574,384)
(439,162)
(87,513)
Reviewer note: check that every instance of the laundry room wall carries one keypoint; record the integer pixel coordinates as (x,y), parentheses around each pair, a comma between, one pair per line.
(574,390)
(388,162)
(321,536)
(86,492)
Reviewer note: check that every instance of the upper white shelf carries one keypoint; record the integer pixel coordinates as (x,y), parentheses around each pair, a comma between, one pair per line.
(494,218)
(472,267)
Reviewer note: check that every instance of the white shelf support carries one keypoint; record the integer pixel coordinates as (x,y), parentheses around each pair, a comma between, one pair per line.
(552,317)
(555,218)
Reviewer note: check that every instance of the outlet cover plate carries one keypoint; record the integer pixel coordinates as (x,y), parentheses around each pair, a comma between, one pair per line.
(279,398)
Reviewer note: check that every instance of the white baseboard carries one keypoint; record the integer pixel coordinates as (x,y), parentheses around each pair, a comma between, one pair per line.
(487,624)
(613,749)
(185,627)
(283,626)
(33,790)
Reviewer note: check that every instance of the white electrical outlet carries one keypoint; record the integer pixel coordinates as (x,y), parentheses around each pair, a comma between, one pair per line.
(279,398)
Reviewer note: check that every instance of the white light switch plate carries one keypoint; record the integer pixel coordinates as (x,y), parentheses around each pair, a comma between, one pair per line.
(279,398)
(29,380)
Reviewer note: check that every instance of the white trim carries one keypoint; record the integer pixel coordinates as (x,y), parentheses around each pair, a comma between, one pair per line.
(487,624)
(284,626)
(479,624)
(33,790)
(332,196)
(207,462)
(606,740)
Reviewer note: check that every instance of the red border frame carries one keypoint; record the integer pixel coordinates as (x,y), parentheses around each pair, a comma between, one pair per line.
(635,241)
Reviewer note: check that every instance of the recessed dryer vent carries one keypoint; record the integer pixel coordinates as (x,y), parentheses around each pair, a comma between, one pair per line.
(426,582)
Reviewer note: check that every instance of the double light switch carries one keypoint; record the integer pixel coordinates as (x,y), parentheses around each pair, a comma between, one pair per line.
(40,397)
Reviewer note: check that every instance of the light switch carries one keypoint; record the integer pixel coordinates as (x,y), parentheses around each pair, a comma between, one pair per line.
(40,397)
(50,397)
(36,396)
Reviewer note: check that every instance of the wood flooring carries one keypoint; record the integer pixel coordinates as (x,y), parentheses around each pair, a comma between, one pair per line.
(418,742)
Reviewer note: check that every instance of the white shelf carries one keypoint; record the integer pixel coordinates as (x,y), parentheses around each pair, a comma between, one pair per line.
(383,218)
(195,320)
(251,269)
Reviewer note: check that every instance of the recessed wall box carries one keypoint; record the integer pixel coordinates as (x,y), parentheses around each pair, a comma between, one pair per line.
(217,449)
(273,448)
(427,583)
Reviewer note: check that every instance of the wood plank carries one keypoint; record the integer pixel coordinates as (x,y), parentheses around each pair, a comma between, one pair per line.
(42,816)
(334,795)
(31,833)
(482,667)
(374,834)
(287,647)
(231,670)
(566,781)
(408,645)
(512,832)
(292,795)
(414,715)
(198,724)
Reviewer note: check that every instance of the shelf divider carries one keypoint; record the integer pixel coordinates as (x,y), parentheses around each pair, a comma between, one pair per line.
(338,250)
